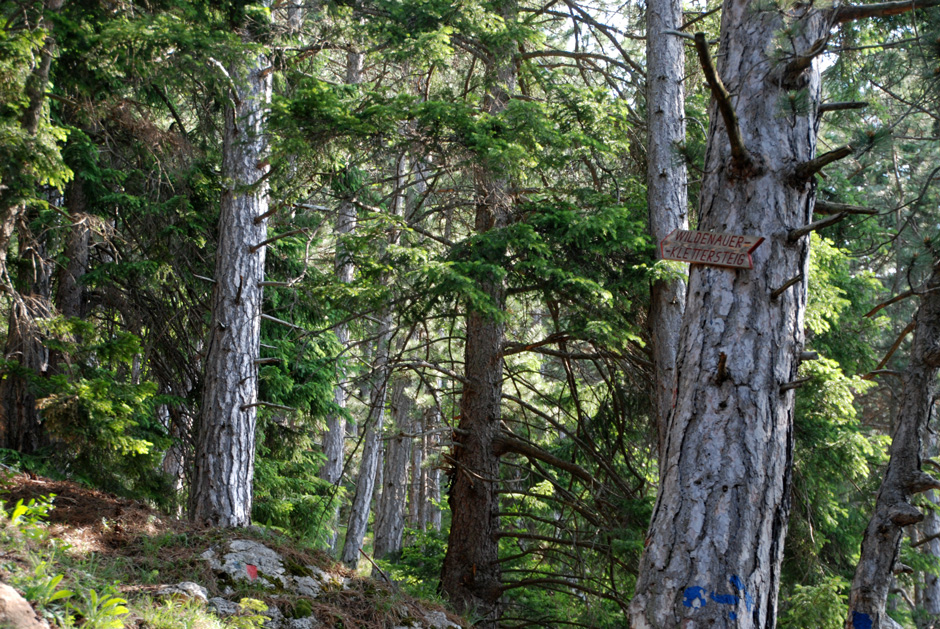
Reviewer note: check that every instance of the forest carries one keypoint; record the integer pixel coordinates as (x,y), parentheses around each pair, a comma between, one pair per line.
(390,277)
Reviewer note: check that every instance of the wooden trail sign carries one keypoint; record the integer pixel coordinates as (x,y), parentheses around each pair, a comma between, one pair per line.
(696,247)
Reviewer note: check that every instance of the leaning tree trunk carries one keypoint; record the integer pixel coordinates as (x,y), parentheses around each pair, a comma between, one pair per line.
(471,576)
(903,478)
(335,435)
(221,493)
(390,512)
(666,190)
(715,544)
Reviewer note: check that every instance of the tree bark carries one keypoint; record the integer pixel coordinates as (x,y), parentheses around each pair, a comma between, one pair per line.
(21,426)
(666,191)
(715,544)
(471,574)
(903,477)
(390,513)
(371,449)
(221,493)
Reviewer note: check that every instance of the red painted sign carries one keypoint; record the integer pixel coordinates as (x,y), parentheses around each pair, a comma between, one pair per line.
(252,571)
(696,247)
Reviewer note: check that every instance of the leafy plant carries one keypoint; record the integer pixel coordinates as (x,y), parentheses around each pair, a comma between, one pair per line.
(101,611)
(41,590)
(821,606)
(250,614)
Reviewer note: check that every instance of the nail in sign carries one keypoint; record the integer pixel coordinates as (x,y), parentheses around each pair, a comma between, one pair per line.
(696,247)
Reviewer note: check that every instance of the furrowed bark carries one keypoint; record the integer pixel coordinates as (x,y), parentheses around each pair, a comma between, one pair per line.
(666,190)
(221,493)
(470,576)
(903,478)
(715,544)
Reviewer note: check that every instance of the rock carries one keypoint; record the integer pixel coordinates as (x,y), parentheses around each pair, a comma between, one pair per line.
(186,590)
(302,623)
(439,620)
(223,607)
(16,612)
(307,586)
(246,560)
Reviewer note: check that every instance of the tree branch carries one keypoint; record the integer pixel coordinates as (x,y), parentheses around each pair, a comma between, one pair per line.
(893,300)
(849,13)
(739,154)
(809,168)
(796,234)
(842,106)
(796,67)
(504,443)
(894,348)
(827,207)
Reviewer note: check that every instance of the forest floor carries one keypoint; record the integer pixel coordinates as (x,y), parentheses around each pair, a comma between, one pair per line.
(104,545)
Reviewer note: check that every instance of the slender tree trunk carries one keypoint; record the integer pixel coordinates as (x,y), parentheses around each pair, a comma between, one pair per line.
(390,513)
(365,483)
(69,296)
(418,487)
(221,493)
(929,592)
(715,543)
(903,478)
(471,574)
(666,190)
(371,449)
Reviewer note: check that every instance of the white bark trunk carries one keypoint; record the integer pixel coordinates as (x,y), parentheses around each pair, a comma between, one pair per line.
(225,446)
(715,543)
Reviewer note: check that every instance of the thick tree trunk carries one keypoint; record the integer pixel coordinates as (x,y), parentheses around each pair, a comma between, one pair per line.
(903,478)
(666,190)
(221,493)
(471,576)
(21,426)
(390,512)
(715,544)
(371,449)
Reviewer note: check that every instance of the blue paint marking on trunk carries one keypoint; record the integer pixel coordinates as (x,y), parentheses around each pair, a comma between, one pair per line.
(725,599)
(739,586)
(861,621)
(695,597)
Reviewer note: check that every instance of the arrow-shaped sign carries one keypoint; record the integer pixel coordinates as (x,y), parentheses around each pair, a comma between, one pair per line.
(697,247)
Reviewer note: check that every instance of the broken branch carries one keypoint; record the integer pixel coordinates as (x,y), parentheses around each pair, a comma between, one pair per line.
(796,234)
(881,9)
(790,282)
(827,207)
(798,65)
(293,232)
(809,168)
(894,348)
(842,106)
